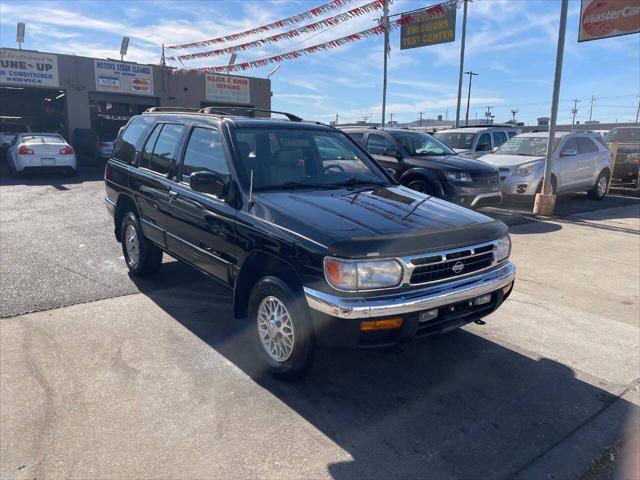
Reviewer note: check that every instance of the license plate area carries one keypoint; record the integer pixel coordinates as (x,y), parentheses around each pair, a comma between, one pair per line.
(48,162)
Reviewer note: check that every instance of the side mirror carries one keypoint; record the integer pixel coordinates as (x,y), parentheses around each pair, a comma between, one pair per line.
(483,147)
(392,152)
(569,152)
(208,182)
(391,172)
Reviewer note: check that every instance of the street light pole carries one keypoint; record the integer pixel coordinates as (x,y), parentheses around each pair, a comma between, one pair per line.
(385,23)
(574,111)
(545,202)
(471,74)
(464,35)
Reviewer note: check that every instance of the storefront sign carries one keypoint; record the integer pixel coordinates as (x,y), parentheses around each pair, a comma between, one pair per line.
(226,89)
(28,68)
(123,77)
(608,18)
(436,25)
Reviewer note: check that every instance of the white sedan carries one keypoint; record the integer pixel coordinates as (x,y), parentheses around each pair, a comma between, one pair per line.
(35,151)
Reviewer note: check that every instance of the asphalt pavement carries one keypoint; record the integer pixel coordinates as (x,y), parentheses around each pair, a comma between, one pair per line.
(111,377)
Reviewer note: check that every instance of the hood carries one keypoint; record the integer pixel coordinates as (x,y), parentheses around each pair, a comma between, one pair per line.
(452,162)
(383,220)
(508,160)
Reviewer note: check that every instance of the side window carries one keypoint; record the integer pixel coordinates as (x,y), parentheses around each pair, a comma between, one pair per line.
(357,136)
(499,138)
(125,149)
(484,143)
(161,147)
(570,144)
(377,144)
(204,152)
(147,151)
(585,145)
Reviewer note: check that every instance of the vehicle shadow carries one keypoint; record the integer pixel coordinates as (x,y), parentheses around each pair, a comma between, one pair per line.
(458,406)
(86,173)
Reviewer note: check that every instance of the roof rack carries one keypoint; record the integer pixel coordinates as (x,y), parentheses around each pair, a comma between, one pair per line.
(170,109)
(214,110)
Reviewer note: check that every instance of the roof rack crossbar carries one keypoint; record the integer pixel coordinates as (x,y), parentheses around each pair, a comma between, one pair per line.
(170,109)
(290,116)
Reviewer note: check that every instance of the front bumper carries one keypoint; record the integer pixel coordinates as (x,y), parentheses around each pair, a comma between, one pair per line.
(474,197)
(520,186)
(402,303)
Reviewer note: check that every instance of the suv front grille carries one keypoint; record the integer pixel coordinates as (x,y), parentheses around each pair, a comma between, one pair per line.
(451,265)
(484,178)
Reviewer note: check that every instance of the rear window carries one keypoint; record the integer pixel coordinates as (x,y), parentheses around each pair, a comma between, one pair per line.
(125,150)
(31,139)
(161,147)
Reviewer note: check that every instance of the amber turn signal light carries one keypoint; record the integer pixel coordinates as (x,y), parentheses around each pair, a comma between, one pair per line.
(386,324)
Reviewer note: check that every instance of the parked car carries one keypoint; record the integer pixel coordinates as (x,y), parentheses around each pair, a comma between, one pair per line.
(581,162)
(473,142)
(316,255)
(39,151)
(423,163)
(8,131)
(627,165)
(106,147)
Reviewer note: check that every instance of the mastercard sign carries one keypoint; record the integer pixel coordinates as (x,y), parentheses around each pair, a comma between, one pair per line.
(608,18)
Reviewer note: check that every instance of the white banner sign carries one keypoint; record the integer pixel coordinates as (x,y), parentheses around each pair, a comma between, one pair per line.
(226,89)
(123,77)
(28,68)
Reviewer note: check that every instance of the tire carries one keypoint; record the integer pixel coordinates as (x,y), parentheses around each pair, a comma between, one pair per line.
(284,362)
(600,189)
(143,258)
(421,186)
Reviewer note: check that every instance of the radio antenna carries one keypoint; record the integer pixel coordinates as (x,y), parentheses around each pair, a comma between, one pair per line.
(250,189)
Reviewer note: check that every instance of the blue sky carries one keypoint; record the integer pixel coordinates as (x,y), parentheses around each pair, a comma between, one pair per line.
(510,43)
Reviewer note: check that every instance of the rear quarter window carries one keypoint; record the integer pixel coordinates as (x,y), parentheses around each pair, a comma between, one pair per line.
(125,149)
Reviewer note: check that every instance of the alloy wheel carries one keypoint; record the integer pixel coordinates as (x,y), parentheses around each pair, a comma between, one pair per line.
(275,329)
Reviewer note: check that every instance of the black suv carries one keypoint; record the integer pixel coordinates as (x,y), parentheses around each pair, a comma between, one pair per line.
(319,244)
(423,163)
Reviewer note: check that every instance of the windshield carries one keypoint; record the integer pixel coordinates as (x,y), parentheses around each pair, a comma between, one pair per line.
(303,158)
(460,140)
(29,139)
(626,135)
(529,146)
(421,144)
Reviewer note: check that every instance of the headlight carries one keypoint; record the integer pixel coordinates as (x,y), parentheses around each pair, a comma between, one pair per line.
(502,248)
(362,275)
(526,169)
(458,176)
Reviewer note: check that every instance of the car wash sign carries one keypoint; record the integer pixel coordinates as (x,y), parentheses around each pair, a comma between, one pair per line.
(227,89)
(608,18)
(119,77)
(28,69)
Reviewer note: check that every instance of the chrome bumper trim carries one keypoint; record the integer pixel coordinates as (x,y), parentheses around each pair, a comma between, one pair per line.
(111,207)
(402,303)
(479,197)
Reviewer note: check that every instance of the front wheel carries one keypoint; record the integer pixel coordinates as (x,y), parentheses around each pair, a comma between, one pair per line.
(282,331)
(599,190)
(421,186)
(143,257)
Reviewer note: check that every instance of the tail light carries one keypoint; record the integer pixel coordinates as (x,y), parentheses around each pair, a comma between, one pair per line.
(25,150)
(66,151)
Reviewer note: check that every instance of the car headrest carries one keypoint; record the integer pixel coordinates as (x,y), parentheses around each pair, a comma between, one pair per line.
(287,158)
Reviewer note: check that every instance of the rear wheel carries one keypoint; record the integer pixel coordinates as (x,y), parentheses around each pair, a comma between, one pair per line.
(143,257)
(599,190)
(421,186)
(281,330)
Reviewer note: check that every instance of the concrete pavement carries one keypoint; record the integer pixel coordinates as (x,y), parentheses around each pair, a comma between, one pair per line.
(159,384)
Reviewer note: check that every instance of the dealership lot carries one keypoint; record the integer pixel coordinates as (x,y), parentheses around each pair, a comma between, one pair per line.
(115,378)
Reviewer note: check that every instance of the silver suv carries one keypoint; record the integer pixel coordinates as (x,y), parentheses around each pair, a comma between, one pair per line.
(473,142)
(581,162)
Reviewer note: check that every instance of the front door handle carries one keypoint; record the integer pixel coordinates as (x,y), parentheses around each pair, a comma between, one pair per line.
(173,194)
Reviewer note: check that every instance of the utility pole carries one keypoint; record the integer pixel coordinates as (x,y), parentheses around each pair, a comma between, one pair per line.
(420,118)
(638,111)
(391,118)
(574,111)
(593,100)
(513,114)
(464,35)
(471,75)
(488,115)
(545,202)
(336,119)
(385,23)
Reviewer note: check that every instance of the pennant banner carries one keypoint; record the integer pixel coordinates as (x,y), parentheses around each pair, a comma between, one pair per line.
(314,12)
(311,27)
(338,42)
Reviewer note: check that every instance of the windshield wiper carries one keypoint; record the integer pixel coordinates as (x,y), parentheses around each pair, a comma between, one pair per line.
(294,185)
(359,181)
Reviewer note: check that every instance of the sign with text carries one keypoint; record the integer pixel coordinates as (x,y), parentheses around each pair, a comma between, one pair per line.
(28,69)
(123,77)
(608,18)
(226,89)
(436,25)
